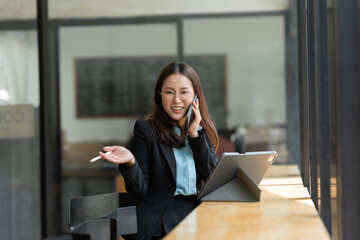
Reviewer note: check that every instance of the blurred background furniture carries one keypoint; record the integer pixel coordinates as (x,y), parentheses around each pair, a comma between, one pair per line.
(112,215)
(255,138)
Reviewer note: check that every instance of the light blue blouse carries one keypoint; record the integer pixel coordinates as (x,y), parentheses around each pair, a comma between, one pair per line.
(185,169)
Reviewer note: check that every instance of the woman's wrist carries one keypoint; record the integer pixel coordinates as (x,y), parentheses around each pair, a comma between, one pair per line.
(130,163)
(194,135)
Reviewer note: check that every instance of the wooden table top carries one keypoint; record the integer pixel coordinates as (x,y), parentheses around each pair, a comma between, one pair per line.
(285,211)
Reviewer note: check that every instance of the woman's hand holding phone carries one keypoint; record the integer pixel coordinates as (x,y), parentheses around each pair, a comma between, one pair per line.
(196,119)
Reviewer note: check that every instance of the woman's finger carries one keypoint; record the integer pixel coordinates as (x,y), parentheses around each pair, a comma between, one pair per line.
(111,148)
(107,148)
(196,111)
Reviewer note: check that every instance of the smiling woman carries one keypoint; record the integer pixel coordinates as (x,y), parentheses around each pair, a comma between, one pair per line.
(166,193)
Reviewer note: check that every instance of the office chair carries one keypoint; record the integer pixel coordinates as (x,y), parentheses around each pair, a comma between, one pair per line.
(118,206)
(99,229)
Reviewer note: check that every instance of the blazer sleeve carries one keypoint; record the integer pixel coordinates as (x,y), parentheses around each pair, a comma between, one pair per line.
(204,154)
(137,177)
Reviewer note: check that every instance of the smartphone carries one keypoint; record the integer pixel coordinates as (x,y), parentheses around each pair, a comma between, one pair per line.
(190,114)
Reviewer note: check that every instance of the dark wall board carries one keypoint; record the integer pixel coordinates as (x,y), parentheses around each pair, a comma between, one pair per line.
(120,87)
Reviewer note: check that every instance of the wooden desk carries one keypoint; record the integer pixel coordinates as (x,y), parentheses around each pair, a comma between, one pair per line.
(285,211)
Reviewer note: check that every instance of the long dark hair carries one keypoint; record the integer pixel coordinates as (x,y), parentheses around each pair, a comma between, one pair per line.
(163,124)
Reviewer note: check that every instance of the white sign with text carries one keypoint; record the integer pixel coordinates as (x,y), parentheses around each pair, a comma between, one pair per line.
(17,121)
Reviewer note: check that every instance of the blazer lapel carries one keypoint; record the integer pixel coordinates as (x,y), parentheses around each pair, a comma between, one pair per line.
(170,158)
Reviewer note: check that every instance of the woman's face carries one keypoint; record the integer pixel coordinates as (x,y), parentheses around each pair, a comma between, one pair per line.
(177,93)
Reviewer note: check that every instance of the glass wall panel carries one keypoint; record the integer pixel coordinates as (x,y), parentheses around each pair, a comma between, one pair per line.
(19,136)
(253,75)
(107,75)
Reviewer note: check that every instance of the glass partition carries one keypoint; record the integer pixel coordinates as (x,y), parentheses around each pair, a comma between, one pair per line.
(254,80)
(19,135)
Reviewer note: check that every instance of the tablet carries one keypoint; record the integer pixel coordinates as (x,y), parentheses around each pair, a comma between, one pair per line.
(253,164)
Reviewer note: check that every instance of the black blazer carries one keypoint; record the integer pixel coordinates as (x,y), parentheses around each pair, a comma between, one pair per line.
(152,179)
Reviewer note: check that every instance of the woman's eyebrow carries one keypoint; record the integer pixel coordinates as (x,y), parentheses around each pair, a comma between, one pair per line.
(169,88)
(180,88)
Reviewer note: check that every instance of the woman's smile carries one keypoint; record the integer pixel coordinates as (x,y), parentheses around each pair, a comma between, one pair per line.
(177,109)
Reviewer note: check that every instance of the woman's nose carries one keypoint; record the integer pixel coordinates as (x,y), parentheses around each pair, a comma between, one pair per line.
(176,98)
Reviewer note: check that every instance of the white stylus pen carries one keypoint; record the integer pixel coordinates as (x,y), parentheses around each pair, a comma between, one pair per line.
(99,157)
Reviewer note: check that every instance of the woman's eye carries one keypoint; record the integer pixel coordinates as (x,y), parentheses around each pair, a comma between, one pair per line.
(169,93)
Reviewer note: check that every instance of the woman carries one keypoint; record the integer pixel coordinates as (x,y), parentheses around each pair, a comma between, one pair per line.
(167,162)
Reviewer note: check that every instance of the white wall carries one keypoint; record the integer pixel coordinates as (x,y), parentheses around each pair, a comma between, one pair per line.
(131,8)
(26,9)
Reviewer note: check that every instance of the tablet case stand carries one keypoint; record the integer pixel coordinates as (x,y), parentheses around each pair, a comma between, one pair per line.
(240,189)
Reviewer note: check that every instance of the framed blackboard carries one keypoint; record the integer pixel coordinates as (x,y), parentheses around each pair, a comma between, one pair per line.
(124,87)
